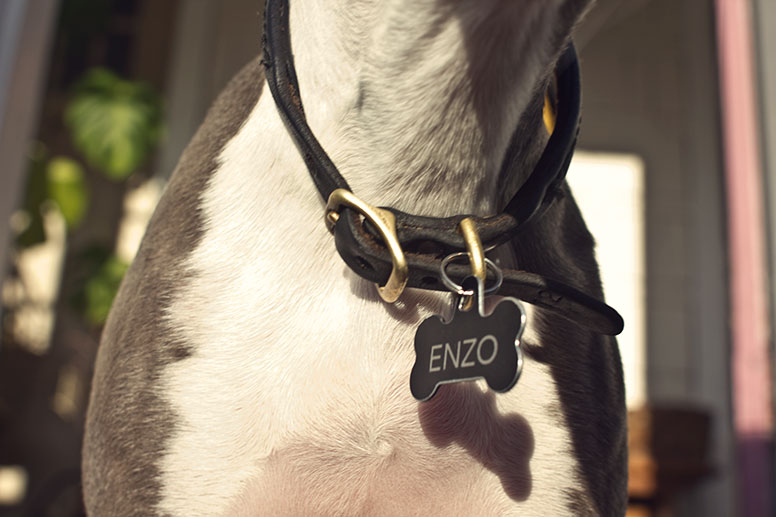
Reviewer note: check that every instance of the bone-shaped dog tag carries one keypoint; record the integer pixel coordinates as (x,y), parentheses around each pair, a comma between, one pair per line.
(469,346)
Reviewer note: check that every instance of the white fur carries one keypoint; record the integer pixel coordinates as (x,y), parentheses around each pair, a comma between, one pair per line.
(296,400)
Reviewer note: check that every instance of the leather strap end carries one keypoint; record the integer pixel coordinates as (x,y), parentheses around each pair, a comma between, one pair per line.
(369,259)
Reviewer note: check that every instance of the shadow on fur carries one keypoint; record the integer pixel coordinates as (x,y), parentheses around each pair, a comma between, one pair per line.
(502,443)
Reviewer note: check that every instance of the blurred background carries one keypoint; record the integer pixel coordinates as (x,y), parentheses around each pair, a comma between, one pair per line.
(675,175)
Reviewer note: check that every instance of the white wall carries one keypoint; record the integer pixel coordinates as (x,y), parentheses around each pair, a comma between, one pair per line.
(650,88)
(609,189)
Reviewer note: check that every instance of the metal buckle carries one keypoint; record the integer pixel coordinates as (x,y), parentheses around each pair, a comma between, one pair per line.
(385,222)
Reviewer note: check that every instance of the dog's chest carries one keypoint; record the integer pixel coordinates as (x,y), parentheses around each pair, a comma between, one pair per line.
(296,398)
(305,408)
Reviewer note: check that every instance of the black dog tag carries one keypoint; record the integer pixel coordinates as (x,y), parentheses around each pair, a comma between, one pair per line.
(469,346)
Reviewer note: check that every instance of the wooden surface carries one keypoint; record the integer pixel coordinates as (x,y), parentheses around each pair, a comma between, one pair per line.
(668,452)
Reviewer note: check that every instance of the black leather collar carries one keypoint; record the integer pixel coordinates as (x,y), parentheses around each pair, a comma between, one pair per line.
(427,240)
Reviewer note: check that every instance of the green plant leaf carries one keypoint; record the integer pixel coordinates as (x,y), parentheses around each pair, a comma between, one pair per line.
(34,196)
(68,189)
(101,289)
(114,123)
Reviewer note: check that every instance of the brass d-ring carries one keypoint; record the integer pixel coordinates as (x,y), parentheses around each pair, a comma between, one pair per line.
(474,248)
(548,114)
(385,222)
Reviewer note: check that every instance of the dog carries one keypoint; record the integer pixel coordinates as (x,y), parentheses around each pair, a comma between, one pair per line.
(245,369)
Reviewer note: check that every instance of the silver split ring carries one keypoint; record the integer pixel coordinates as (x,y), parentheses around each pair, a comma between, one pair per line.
(458,289)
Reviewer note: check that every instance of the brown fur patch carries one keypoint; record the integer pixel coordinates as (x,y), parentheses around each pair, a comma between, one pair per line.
(128,422)
(589,373)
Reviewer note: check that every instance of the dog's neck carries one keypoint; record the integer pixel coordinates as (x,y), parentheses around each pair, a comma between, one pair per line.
(421,97)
